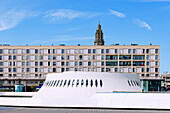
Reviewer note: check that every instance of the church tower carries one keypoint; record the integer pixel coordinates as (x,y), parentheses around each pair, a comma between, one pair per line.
(99,37)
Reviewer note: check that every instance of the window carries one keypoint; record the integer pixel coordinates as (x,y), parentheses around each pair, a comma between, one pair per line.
(62,57)
(27,57)
(91,83)
(156,69)
(36,51)
(36,57)
(14,51)
(94,57)
(80,51)
(62,51)
(49,57)
(156,63)
(23,51)
(89,50)
(14,63)
(102,69)
(49,51)
(54,51)
(67,58)
(58,83)
(41,51)
(69,83)
(76,51)
(116,51)
(23,69)
(147,75)
(67,51)
(1,51)
(82,82)
(156,75)
(54,63)
(102,63)
(27,51)
(102,51)
(41,63)
(143,69)
(77,83)
(67,63)
(49,63)
(10,57)
(129,83)
(96,83)
(36,69)
(41,57)
(101,84)
(36,63)
(28,69)
(9,69)
(80,57)
(102,57)
(89,63)
(94,51)
(107,50)
(86,83)
(73,83)
(0,57)
(156,50)
(147,69)
(156,57)
(49,69)
(134,50)
(147,63)
(67,69)
(62,63)
(75,69)
(134,69)
(143,51)
(129,51)
(54,69)
(1,63)
(23,63)
(76,57)
(116,69)
(147,57)
(1,69)
(14,57)
(76,63)
(80,63)
(89,57)
(27,63)
(147,50)
(54,57)
(65,83)
(107,69)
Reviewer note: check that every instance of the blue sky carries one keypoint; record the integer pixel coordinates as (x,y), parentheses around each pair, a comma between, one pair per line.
(72,22)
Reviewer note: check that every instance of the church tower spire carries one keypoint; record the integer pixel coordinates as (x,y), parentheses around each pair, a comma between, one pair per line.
(99,37)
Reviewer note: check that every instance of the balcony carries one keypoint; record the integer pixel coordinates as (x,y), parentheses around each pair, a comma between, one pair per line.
(23,78)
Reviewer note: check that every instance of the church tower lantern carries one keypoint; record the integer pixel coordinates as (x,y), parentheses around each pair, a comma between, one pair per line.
(99,37)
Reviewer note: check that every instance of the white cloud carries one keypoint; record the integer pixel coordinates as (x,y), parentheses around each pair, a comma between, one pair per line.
(11,18)
(62,38)
(116,13)
(62,15)
(142,24)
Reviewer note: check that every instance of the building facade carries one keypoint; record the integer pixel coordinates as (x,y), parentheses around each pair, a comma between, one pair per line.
(28,65)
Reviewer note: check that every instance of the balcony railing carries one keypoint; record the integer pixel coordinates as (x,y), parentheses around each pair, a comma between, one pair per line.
(23,78)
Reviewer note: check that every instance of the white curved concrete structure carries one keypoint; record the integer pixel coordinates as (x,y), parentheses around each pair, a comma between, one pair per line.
(92,90)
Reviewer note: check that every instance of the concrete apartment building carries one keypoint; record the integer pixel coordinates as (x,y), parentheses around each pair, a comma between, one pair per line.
(28,65)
